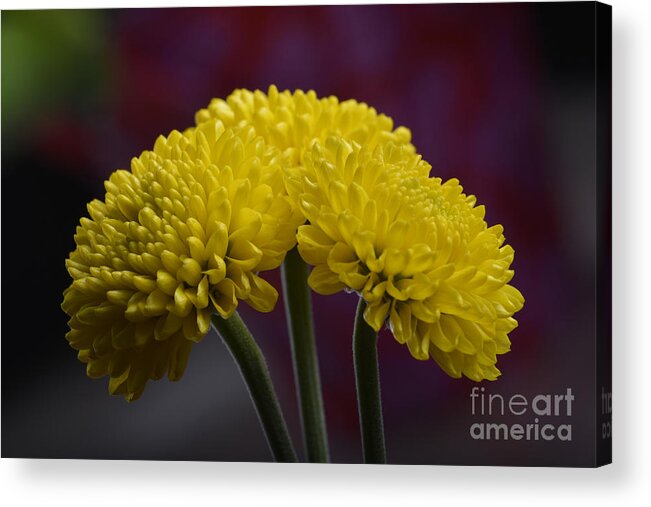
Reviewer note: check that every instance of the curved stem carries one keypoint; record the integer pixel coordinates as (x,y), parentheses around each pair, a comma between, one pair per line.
(298,309)
(253,367)
(367,379)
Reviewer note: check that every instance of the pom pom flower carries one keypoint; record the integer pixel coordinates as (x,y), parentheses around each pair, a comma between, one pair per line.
(292,121)
(181,235)
(417,250)
(180,240)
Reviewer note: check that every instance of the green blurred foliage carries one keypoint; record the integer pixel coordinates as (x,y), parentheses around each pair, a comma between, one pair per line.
(50,60)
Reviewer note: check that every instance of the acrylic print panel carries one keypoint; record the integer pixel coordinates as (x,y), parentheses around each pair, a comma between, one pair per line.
(405,112)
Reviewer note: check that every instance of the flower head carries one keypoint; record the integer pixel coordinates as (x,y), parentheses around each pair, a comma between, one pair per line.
(292,121)
(183,234)
(417,249)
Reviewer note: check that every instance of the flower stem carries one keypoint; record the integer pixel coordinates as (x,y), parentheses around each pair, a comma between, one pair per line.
(367,378)
(298,309)
(253,367)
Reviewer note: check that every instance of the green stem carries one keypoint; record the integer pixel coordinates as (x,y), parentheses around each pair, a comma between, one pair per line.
(298,309)
(253,367)
(367,378)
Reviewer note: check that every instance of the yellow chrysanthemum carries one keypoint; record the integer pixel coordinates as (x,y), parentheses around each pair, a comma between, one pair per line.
(416,249)
(292,121)
(181,235)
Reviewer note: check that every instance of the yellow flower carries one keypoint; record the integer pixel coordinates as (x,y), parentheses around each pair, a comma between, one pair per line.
(292,121)
(182,234)
(416,249)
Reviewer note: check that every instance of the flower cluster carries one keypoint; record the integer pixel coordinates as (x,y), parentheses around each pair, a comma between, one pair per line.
(416,249)
(187,230)
(183,234)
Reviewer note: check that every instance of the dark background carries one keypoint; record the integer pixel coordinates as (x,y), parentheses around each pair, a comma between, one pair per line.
(499,95)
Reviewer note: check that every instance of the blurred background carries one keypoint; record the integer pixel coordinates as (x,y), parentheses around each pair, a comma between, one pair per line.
(500,96)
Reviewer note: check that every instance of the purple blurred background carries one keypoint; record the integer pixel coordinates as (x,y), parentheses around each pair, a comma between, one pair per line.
(500,96)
